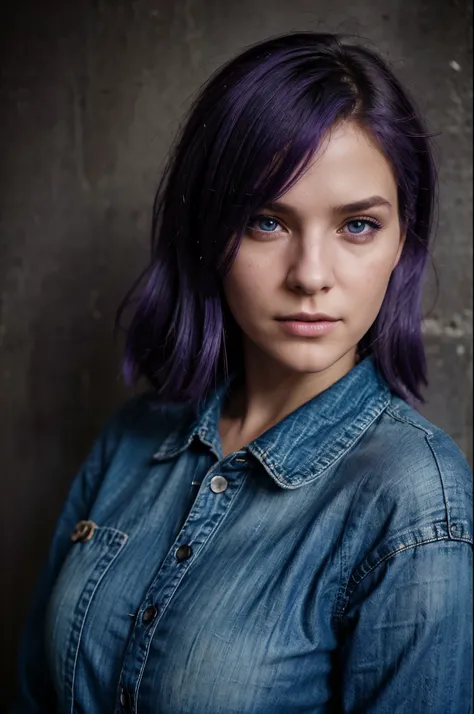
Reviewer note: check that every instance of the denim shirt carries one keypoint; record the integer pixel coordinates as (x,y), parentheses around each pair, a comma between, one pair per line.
(325,567)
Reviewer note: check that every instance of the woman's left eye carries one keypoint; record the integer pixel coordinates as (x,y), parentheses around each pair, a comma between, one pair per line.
(363,227)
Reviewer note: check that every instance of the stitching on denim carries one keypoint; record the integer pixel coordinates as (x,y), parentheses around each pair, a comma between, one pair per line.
(348,593)
(211,533)
(113,530)
(443,487)
(359,428)
(429,436)
(121,545)
(343,586)
(395,414)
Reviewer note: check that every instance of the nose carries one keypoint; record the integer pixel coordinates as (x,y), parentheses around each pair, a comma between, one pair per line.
(311,269)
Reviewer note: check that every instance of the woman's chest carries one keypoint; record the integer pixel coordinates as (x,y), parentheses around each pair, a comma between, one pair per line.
(202,598)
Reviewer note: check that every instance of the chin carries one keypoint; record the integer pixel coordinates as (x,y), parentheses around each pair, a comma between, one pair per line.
(311,361)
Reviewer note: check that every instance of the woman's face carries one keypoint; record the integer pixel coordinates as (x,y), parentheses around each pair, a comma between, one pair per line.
(311,272)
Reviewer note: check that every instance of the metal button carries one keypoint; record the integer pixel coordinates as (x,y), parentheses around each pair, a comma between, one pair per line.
(83,531)
(149,615)
(218,484)
(183,553)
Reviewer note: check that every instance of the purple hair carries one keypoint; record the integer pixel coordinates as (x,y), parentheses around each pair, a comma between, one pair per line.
(249,136)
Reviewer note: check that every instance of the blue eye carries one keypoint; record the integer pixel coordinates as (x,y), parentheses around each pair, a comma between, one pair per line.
(266,224)
(363,227)
(357,225)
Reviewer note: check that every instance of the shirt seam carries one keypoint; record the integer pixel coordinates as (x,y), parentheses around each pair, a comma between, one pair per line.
(349,592)
(395,414)
(429,436)
(443,485)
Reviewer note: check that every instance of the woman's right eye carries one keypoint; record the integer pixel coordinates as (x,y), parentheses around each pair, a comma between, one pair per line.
(263,224)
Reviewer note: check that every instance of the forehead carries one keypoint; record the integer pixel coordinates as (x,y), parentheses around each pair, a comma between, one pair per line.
(348,167)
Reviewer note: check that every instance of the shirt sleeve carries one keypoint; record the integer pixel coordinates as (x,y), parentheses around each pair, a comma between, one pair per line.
(35,689)
(407,634)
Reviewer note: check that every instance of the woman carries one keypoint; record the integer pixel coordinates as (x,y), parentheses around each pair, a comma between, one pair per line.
(272,529)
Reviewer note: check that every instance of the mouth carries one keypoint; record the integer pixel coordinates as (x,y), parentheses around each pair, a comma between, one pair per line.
(307,317)
(303,324)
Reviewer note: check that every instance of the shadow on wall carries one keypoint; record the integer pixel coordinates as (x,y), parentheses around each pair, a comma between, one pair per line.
(72,383)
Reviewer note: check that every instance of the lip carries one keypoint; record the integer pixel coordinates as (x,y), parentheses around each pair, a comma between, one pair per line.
(305,325)
(307,317)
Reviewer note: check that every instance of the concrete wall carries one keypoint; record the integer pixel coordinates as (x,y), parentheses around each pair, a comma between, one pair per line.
(91,95)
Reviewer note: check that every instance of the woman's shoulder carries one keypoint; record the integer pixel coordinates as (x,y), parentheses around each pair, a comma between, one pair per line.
(418,474)
(419,440)
(141,425)
(144,415)
(412,487)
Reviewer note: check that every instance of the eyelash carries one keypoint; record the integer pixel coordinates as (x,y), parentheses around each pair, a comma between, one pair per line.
(372,222)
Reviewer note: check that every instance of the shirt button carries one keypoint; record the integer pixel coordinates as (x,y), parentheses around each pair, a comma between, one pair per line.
(83,531)
(218,484)
(183,553)
(149,615)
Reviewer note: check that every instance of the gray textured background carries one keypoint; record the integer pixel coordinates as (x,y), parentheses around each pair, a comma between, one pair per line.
(91,95)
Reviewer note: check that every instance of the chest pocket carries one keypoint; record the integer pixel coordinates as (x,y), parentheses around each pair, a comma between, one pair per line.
(93,552)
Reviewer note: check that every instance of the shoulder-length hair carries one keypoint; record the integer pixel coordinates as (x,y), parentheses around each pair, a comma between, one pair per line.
(249,136)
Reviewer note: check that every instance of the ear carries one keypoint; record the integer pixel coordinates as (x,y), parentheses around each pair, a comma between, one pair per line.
(403,237)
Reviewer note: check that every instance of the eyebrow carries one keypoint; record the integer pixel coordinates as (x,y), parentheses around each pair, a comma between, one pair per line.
(363,205)
(355,207)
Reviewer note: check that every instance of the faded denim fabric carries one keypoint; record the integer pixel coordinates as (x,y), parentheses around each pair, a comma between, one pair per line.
(326,567)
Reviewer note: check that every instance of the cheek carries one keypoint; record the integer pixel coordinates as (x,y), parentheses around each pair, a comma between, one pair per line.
(367,280)
(244,288)
(251,280)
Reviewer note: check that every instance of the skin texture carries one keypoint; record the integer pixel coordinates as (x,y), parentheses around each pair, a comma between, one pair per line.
(306,255)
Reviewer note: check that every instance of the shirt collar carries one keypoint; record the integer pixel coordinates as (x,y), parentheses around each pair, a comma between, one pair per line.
(308,441)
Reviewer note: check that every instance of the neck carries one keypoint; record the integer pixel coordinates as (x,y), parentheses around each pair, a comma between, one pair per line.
(269,393)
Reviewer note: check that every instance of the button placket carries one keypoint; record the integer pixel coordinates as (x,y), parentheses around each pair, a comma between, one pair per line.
(198,526)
